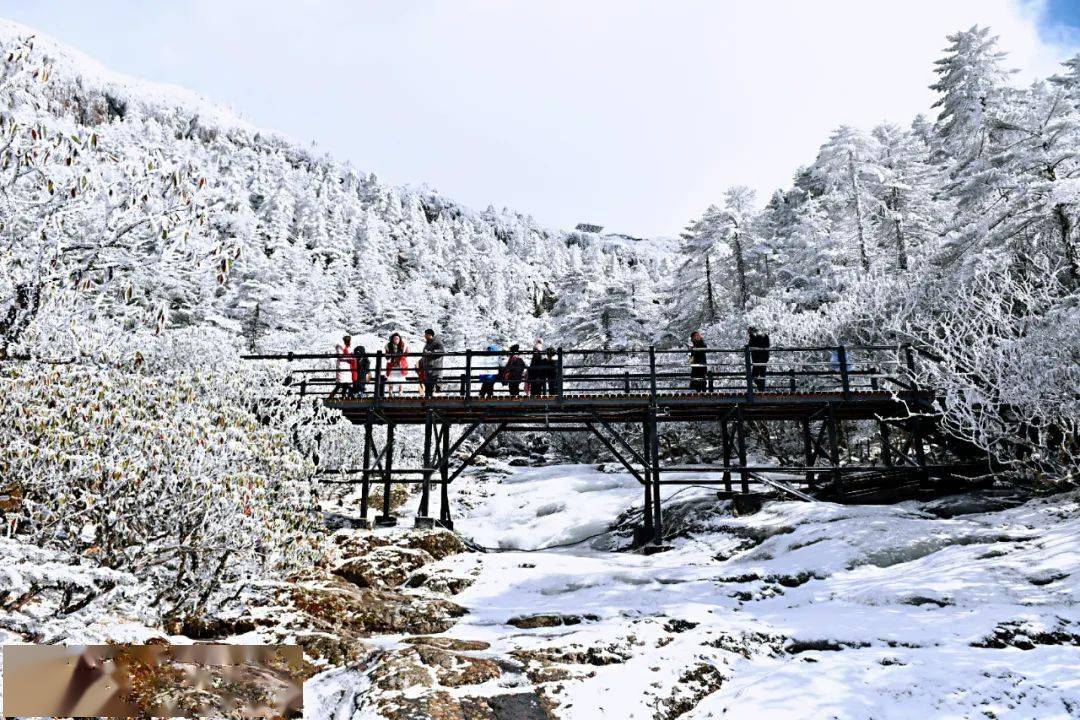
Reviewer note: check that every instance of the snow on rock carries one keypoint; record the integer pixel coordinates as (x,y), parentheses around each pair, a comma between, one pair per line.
(802,610)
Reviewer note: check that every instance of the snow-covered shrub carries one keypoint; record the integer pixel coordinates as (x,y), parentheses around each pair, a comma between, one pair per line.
(164,474)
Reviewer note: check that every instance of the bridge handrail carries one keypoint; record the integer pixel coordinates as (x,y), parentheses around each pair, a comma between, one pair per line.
(840,368)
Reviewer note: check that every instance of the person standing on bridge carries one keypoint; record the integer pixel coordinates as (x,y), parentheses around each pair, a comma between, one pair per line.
(514,371)
(541,370)
(758,343)
(361,371)
(346,368)
(431,363)
(699,363)
(492,367)
(397,365)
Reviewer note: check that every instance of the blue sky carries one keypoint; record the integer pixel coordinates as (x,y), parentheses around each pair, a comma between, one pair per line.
(1064,12)
(632,114)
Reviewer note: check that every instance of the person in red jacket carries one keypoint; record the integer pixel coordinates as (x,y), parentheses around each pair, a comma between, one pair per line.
(397,365)
(346,368)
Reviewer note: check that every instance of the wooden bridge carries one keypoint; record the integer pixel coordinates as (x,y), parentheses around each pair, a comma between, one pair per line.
(612,393)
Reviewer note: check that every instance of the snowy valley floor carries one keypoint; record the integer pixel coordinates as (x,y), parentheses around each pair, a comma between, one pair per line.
(803,610)
(961,607)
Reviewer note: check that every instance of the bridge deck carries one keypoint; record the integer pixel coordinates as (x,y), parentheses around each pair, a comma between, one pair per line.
(631,407)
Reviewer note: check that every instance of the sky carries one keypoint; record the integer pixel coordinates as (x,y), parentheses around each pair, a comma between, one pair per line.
(632,114)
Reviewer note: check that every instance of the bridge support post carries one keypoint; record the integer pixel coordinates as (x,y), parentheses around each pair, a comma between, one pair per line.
(740,439)
(920,448)
(444,480)
(654,461)
(647,531)
(725,443)
(365,478)
(886,443)
(423,519)
(809,456)
(834,452)
(386,519)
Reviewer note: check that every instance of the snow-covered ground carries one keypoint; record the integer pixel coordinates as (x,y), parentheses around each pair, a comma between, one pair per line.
(802,610)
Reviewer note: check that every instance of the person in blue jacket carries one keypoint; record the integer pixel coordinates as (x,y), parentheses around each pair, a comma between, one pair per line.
(492,367)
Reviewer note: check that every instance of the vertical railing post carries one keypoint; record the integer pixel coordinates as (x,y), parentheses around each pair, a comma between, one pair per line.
(559,374)
(652,374)
(845,381)
(468,377)
(379,387)
(626,382)
(748,362)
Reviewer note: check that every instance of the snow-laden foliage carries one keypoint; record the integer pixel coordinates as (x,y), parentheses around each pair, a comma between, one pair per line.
(959,236)
(162,474)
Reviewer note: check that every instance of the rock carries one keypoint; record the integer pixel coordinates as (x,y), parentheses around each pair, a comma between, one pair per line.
(201,627)
(575,654)
(444,582)
(366,611)
(439,705)
(447,643)
(399,495)
(693,686)
(676,625)
(529,622)
(454,670)
(382,567)
(436,543)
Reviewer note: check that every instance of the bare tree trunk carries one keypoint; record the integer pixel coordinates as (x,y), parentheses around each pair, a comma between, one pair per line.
(1067,241)
(740,270)
(857,197)
(901,241)
(709,299)
(20,313)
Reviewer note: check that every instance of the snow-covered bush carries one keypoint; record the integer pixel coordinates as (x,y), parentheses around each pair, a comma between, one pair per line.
(164,474)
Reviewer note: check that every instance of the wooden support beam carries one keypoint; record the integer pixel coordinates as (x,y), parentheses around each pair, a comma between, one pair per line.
(444,476)
(654,454)
(365,481)
(386,519)
(834,453)
(425,490)
(725,443)
(618,456)
(740,444)
(472,456)
(646,434)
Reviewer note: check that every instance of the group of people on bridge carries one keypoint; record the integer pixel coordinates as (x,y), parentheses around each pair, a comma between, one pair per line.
(539,375)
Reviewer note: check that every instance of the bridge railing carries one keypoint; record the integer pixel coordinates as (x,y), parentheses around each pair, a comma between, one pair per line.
(477,374)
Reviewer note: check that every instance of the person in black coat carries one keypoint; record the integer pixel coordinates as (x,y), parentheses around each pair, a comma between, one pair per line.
(758,343)
(515,371)
(541,370)
(699,363)
(363,369)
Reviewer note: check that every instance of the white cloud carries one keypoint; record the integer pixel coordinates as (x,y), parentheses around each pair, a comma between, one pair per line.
(633,114)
